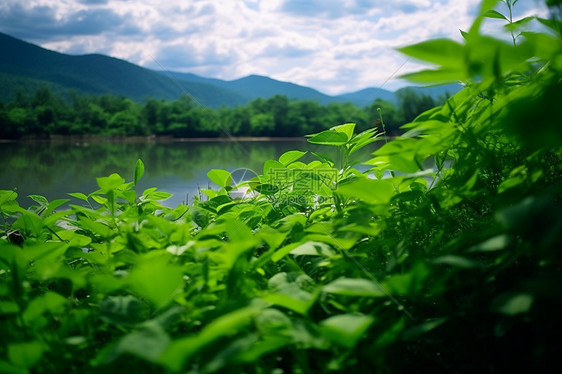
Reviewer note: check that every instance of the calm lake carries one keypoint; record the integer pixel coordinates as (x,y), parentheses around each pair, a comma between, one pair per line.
(55,169)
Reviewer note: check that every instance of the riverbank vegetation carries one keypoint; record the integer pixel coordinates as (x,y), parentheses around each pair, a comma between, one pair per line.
(45,113)
(321,268)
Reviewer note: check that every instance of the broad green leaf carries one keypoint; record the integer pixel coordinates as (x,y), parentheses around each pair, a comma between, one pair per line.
(41,200)
(221,178)
(49,302)
(157,196)
(346,329)
(99,199)
(274,171)
(496,243)
(7,368)
(354,287)
(486,5)
(273,320)
(290,157)
(25,355)
(139,171)
(9,307)
(147,342)
(79,195)
(346,129)
(444,52)
(458,261)
(110,183)
(283,251)
(313,249)
(74,239)
(370,191)
(495,14)
(513,304)
(29,223)
(54,205)
(156,279)
(329,137)
(438,76)
(293,291)
(523,21)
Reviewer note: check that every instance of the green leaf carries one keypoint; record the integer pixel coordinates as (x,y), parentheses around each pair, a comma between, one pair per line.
(354,287)
(496,243)
(156,279)
(79,195)
(139,171)
(290,157)
(487,5)
(495,14)
(514,25)
(313,249)
(513,304)
(274,169)
(41,200)
(221,178)
(370,191)
(7,368)
(7,195)
(292,291)
(283,251)
(25,355)
(329,137)
(148,343)
(438,76)
(123,310)
(49,302)
(30,223)
(444,52)
(346,329)
(181,350)
(458,261)
(110,183)
(346,129)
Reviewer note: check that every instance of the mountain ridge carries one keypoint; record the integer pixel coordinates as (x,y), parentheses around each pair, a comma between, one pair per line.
(24,65)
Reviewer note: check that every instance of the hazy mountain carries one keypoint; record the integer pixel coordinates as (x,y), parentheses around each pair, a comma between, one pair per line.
(27,66)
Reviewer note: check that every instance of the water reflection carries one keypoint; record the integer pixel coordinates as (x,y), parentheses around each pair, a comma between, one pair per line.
(54,169)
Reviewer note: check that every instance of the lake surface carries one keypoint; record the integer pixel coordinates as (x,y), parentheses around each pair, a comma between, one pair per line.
(55,169)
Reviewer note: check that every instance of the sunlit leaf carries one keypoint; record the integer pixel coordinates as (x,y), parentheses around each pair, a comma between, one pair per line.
(221,178)
(139,171)
(443,52)
(290,157)
(495,14)
(370,191)
(329,137)
(346,329)
(513,304)
(109,183)
(354,287)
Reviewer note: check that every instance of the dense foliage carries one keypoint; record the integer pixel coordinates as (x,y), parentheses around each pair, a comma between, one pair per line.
(443,257)
(46,113)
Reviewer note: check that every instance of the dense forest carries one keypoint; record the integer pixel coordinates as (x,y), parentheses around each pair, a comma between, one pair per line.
(45,113)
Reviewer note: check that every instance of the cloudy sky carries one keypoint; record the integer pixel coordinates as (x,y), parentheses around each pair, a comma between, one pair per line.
(335,46)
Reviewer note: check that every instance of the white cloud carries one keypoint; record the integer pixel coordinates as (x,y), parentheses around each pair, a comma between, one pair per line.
(333,46)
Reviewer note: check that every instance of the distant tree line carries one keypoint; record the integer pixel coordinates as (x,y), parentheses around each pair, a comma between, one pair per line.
(45,113)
